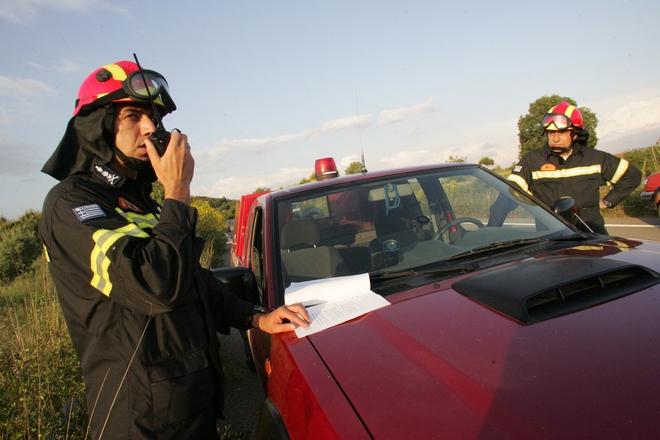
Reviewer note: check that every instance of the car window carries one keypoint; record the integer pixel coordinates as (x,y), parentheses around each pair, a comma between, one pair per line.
(402,221)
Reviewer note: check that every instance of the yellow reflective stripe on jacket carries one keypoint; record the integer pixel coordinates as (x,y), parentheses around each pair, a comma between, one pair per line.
(568,172)
(520,182)
(99,260)
(147,221)
(620,171)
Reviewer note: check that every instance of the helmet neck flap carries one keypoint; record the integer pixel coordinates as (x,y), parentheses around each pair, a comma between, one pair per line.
(89,139)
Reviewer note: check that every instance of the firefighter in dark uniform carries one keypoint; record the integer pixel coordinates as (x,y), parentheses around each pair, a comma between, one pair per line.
(566,167)
(142,313)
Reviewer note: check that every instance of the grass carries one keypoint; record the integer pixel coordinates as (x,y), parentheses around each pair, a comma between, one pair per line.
(41,387)
(42,393)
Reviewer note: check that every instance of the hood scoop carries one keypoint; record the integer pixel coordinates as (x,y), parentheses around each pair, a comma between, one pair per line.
(536,290)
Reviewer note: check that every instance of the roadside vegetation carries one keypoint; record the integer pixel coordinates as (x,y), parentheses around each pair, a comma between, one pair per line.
(42,392)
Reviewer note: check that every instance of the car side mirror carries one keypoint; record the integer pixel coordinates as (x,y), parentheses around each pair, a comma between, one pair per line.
(240,281)
(566,208)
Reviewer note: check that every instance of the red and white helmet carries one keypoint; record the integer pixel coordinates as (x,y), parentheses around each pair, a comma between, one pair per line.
(123,82)
(562,117)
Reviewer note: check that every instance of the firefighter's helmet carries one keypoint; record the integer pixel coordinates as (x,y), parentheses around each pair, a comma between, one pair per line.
(562,117)
(123,82)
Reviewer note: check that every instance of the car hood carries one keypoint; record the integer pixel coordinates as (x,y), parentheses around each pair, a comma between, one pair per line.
(438,364)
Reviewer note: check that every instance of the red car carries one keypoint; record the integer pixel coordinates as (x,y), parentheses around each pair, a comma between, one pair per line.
(651,192)
(504,321)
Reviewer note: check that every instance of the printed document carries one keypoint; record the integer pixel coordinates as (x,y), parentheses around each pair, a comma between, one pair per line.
(332,301)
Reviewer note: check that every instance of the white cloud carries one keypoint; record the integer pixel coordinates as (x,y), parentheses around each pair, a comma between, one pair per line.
(23,11)
(247,147)
(17,88)
(349,122)
(235,187)
(632,117)
(227,148)
(401,114)
(66,66)
(410,158)
(344,162)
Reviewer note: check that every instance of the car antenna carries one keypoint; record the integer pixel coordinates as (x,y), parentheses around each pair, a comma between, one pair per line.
(364,167)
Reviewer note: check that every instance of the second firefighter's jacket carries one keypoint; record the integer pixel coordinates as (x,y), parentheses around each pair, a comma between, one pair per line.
(549,177)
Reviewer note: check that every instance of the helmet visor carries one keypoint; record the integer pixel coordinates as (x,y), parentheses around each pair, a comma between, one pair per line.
(147,85)
(560,122)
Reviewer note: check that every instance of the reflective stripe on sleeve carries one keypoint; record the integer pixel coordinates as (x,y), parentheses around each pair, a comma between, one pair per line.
(620,171)
(99,260)
(147,221)
(522,183)
(565,173)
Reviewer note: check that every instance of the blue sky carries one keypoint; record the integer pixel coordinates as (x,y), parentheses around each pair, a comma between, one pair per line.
(265,88)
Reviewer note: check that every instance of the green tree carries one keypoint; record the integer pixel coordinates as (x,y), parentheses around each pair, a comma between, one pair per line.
(225,206)
(260,189)
(530,133)
(457,159)
(158,192)
(486,161)
(211,226)
(19,245)
(353,168)
(311,178)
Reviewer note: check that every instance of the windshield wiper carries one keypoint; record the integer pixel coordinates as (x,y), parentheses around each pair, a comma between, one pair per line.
(496,246)
(452,270)
(578,236)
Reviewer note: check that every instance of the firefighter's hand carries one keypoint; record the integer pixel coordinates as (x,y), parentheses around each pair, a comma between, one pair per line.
(175,168)
(284,319)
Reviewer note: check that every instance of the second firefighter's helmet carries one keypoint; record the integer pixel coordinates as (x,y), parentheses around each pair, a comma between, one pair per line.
(562,117)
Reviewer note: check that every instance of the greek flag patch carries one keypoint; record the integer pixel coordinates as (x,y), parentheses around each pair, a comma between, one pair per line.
(88,212)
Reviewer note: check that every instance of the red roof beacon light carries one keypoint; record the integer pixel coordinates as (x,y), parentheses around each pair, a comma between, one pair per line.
(325,169)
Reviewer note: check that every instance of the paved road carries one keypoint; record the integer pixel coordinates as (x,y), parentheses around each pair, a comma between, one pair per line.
(243,395)
(639,228)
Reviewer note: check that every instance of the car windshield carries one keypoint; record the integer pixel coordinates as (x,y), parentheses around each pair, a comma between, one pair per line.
(405,221)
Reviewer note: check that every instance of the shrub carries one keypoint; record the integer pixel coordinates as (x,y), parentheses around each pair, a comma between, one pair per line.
(211,226)
(19,246)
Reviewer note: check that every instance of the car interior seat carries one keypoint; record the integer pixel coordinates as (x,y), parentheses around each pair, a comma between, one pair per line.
(303,256)
(393,225)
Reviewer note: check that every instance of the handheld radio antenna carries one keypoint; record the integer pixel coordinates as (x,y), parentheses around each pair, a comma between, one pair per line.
(161,137)
(151,98)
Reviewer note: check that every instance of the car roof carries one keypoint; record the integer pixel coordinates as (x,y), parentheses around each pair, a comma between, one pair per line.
(361,177)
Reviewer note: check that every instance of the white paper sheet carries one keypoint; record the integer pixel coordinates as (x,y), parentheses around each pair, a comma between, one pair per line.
(332,301)
(327,289)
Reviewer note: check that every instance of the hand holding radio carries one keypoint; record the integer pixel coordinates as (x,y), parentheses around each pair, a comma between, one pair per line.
(175,168)
(160,139)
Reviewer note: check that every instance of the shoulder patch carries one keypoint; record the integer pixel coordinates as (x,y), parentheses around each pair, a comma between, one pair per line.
(128,206)
(517,169)
(107,174)
(89,212)
(548,167)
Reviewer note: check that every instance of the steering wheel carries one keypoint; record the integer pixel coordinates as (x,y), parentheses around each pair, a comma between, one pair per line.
(313,213)
(457,221)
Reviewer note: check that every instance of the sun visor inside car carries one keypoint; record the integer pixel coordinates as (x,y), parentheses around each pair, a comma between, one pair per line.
(546,288)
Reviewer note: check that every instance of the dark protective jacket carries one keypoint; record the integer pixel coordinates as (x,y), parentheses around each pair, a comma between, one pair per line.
(549,177)
(142,313)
